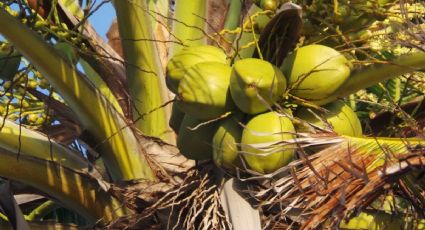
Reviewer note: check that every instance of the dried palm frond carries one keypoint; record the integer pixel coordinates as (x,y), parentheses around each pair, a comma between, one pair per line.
(338,181)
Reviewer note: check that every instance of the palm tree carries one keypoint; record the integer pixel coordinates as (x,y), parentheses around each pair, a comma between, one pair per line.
(87,130)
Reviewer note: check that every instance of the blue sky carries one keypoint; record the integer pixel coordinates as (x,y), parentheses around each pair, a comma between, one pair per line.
(102,19)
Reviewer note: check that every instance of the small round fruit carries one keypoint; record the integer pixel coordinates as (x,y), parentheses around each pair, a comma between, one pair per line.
(195,144)
(204,91)
(188,57)
(32,84)
(263,140)
(340,116)
(225,144)
(7,84)
(315,71)
(269,4)
(32,118)
(256,85)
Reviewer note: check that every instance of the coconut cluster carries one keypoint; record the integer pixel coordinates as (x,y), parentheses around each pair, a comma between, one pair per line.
(230,113)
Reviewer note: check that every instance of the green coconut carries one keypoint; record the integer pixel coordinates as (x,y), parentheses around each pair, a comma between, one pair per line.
(176,118)
(340,116)
(263,145)
(255,85)
(226,142)
(188,57)
(315,71)
(204,91)
(10,60)
(195,144)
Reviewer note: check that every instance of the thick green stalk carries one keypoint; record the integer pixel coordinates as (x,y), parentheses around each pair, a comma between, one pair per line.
(77,191)
(158,9)
(96,80)
(119,146)
(376,73)
(144,71)
(189,24)
(31,143)
(246,42)
(233,15)
(233,18)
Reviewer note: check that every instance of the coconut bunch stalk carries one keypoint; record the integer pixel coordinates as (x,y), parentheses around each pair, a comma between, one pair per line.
(195,204)
(340,180)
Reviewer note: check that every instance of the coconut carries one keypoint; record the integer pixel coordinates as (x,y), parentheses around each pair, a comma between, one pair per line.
(226,143)
(255,85)
(262,143)
(314,72)
(195,144)
(342,119)
(188,57)
(204,91)
(176,118)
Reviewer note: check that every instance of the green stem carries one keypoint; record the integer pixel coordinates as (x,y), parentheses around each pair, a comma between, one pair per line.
(121,150)
(144,70)
(41,211)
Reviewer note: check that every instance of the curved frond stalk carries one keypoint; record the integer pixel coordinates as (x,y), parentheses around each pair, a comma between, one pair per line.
(121,151)
(341,179)
(376,73)
(144,71)
(76,190)
(96,80)
(42,210)
(28,142)
(189,24)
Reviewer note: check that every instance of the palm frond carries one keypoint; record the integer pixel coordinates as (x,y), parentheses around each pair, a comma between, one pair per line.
(340,180)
